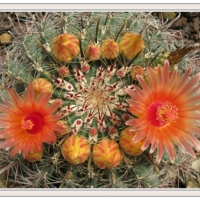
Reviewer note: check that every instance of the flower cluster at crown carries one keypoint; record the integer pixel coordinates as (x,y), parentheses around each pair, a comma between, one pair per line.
(94,97)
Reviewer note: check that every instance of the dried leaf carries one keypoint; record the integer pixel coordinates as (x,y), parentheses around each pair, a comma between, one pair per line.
(176,56)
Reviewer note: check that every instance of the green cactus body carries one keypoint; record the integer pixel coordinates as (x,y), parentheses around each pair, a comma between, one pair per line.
(94,101)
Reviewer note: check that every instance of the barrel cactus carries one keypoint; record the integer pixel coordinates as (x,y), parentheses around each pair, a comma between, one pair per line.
(79,70)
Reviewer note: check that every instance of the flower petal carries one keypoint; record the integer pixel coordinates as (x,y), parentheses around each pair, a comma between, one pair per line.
(169,147)
(15,98)
(160,149)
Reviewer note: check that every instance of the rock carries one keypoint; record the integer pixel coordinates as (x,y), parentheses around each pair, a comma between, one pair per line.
(190,15)
(196,24)
(192,184)
(5,38)
(196,165)
(169,15)
(2,179)
(180,23)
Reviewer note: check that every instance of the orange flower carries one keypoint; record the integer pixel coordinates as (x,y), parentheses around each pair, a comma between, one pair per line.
(76,149)
(106,154)
(28,122)
(110,49)
(92,52)
(125,141)
(65,47)
(167,111)
(131,44)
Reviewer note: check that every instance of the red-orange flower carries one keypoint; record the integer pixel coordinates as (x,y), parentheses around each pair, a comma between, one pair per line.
(167,111)
(28,122)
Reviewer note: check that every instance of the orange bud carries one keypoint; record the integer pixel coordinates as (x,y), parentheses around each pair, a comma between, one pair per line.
(76,149)
(93,132)
(33,157)
(110,49)
(155,72)
(137,70)
(106,154)
(63,71)
(120,73)
(125,141)
(42,85)
(85,67)
(65,47)
(131,44)
(92,52)
(64,130)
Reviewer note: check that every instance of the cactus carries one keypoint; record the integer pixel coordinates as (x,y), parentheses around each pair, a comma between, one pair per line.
(70,51)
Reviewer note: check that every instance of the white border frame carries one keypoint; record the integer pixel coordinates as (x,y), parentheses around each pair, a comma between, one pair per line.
(147,7)
(99,7)
(120,192)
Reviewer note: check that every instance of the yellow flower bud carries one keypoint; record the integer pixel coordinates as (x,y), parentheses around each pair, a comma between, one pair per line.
(137,70)
(42,85)
(131,44)
(33,157)
(125,141)
(64,130)
(76,149)
(110,49)
(65,47)
(106,154)
(92,52)
(155,72)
